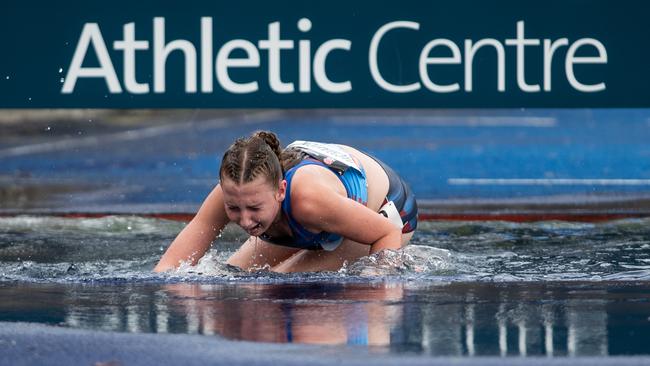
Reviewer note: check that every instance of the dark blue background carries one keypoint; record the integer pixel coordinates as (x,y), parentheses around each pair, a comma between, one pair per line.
(39,38)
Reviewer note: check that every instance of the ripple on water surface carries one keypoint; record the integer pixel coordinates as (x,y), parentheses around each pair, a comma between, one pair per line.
(126,248)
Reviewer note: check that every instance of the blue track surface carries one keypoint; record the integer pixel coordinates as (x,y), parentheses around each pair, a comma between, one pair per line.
(34,344)
(447,156)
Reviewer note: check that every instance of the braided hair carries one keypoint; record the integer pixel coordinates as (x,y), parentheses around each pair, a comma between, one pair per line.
(258,155)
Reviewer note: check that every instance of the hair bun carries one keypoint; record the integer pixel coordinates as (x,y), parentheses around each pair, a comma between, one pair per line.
(270,139)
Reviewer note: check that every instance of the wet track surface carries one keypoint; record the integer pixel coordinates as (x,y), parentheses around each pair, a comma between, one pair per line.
(580,161)
(462,289)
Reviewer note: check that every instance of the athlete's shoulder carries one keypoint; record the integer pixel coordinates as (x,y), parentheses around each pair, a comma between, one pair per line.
(310,180)
(308,196)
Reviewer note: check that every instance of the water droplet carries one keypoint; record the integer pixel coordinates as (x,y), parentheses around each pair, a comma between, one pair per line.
(30,98)
(128,227)
(62,80)
(48,128)
(60,70)
(7,77)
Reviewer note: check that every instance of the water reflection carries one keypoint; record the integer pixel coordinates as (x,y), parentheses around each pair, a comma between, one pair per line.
(312,314)
(524,320)
(458,319)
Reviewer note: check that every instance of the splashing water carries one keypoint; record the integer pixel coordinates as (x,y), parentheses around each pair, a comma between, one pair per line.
(412,260)
(120,248)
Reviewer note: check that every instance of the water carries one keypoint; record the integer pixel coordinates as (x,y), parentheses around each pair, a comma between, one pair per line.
(125,249)
(460,288)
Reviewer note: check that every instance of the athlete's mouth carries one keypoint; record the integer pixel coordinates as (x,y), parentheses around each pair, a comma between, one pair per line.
(254,228)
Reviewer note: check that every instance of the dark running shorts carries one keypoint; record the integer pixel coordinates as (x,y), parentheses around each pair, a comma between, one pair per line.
(400,193)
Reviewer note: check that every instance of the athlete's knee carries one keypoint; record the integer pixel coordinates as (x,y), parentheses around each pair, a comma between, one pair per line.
(406,238)
(246,256)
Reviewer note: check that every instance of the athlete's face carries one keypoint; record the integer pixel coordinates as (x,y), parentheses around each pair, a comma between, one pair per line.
(255,205)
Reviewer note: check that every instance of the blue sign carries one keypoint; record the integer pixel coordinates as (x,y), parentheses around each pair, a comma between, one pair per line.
(291,54)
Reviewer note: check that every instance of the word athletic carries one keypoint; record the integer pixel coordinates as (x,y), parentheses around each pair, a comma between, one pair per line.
(203,67)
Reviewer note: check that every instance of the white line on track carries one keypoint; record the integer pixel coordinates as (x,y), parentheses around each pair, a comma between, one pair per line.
(548,182)
(137,134)
(450,121)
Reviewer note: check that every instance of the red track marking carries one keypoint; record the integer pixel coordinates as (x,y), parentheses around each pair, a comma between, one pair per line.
(513,217)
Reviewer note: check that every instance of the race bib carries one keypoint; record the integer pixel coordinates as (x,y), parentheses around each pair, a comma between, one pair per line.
(330,154)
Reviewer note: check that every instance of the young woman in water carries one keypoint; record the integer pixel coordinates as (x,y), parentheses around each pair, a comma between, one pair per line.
(310,207)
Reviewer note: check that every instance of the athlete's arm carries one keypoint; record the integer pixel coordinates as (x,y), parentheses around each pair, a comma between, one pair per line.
(320,208)
(195,239)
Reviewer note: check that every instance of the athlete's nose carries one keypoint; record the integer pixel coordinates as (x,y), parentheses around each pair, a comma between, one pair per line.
(246,221)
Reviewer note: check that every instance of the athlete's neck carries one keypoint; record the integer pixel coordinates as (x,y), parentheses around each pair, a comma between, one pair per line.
(280,226)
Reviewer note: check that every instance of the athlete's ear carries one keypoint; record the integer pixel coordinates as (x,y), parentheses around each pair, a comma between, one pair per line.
(282,190)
